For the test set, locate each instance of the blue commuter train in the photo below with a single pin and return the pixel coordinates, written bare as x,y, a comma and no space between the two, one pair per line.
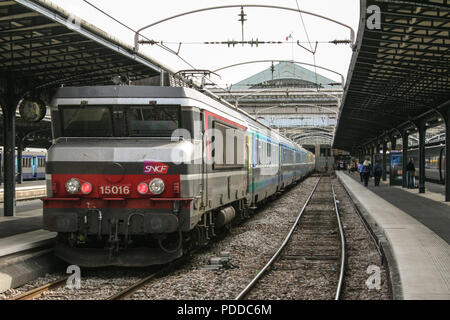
33,164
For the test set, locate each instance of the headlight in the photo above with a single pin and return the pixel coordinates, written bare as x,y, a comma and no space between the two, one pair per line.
73,186
157,186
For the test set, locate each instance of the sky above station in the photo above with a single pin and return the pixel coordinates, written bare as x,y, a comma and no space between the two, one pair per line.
223,25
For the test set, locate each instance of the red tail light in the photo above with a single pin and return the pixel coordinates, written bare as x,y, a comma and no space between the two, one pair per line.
86,188
142,188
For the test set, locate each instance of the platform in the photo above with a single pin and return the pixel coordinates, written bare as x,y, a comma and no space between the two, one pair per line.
28,190
420,256
25,248
429,208
23,231
28,218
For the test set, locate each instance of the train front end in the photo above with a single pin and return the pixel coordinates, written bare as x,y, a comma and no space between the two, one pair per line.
114,194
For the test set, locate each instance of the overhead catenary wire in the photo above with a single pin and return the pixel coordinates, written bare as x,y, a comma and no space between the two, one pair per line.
254,42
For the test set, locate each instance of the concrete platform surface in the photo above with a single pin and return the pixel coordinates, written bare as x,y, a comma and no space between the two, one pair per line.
25,267
428,208
26,184
421,256
27,193
26,241
28,218
28,190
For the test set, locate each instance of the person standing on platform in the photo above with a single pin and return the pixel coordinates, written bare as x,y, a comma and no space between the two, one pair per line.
410,173
377,173
360,168
366,172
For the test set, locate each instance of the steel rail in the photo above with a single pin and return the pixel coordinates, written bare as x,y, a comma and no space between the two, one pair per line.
40,290
342,236
121,295
129,291
250,286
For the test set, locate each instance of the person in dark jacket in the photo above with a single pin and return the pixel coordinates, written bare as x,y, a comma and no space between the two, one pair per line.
410,174
377,172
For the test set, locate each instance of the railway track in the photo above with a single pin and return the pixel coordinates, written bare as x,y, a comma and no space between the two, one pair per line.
130,290
37,292
315,238
122,294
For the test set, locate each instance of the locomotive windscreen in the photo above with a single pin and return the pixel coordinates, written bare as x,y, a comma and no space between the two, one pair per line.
119,121
87,122
153,120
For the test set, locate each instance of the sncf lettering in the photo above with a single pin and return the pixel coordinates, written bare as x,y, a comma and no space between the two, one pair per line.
151,167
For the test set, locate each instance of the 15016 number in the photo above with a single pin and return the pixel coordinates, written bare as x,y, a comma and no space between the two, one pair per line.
115,189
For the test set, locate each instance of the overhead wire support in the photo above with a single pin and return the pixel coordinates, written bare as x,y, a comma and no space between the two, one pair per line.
313,51
138,32
309,41
336,42
242,19
232,43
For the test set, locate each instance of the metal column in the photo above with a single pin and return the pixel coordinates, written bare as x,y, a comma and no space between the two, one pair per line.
377,152
393,147
384,160
371,155
447,154
19,160
9,117
9,100
161,78
422,129
317,150
405,136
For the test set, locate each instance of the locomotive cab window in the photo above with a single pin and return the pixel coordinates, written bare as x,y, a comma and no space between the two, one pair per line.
153,120
119,121
86,121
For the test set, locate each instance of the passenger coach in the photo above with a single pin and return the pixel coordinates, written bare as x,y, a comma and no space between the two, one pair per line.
137,175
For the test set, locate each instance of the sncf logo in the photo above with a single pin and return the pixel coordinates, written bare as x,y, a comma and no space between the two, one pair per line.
151,167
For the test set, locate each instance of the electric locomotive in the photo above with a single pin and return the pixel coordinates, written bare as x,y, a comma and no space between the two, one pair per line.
137,175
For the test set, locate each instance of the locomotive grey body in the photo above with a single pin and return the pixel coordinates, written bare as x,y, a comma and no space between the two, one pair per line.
137,175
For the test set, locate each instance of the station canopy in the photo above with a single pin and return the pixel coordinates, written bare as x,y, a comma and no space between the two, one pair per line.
399,72
41,45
